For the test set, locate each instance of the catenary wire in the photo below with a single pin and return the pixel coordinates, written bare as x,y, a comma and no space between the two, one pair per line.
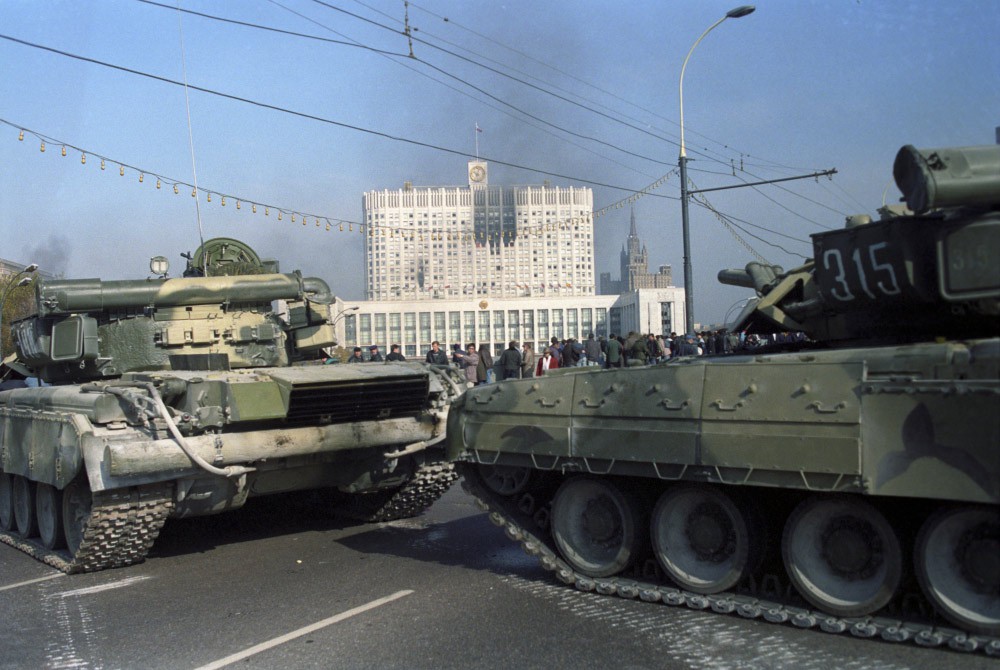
313,117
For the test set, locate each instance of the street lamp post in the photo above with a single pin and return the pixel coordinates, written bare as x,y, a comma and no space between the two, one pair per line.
344,312
11,285
736,13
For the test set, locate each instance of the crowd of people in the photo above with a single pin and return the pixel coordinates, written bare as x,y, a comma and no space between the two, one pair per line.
635,349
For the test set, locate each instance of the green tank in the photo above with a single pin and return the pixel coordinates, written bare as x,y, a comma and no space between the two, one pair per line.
176,397
843,477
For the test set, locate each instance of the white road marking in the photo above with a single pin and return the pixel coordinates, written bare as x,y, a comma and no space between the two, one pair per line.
263,646
31,581
101,587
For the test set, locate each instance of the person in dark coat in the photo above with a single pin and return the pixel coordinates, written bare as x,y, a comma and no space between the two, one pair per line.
689,346
510,361
435,355
374,356
593,349
356,356
613,357
395,355
485,364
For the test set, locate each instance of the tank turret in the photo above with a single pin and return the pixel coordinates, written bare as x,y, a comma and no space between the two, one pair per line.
219,316
926,271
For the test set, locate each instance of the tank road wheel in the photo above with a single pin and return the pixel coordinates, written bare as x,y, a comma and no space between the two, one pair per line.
76,503
957,558
595,526
6,501
842,555
700,538
507,480
48,506
24,507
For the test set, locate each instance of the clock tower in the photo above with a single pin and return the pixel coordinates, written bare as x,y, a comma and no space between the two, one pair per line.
477,173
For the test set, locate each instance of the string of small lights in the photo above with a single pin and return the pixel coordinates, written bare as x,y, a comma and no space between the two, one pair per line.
177,185
635,196
322,221
728,222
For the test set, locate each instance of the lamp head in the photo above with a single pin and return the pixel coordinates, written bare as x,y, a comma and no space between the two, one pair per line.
159,265
30,267
740,11
24,281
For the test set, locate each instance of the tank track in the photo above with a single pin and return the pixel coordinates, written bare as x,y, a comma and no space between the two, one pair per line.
413,498
522,528
121,528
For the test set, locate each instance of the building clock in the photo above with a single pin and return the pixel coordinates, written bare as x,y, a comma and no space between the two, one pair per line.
477,173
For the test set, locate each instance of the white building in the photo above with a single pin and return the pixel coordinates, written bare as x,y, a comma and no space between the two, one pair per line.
488,264
478,241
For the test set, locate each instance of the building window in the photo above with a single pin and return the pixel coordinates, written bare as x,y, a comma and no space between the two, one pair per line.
543,325
586,321
499,332
425,327
514,323
351,329
666,318
602,321
379,331
440,334
410,327
529,325
557,324
366,328
484,326
394,331
455,327
571,324
470,327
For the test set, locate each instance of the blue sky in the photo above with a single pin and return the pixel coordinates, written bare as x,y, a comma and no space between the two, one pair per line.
793,88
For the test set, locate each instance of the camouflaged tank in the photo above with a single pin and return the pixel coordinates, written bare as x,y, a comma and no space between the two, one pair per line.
182,397
847,481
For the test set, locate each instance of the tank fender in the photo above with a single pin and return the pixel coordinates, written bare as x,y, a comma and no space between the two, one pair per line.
42,446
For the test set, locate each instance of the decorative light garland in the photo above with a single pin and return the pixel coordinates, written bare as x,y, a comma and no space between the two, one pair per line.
175,183
406,234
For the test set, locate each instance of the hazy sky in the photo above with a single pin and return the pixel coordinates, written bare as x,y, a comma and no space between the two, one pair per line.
795,87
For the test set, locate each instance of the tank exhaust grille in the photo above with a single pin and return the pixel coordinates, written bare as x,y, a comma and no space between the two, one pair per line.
358,400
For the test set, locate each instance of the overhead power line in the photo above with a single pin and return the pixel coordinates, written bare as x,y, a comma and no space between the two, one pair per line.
452,22
393,55
313,117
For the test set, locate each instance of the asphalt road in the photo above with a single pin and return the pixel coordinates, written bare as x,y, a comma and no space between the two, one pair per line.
281,585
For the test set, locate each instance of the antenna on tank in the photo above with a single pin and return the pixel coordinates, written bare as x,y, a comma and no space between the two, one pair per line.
187,107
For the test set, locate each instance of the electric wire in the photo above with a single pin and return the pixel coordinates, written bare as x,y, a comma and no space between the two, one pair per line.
405,56
508,76
400,59
313,117
653,113
394,55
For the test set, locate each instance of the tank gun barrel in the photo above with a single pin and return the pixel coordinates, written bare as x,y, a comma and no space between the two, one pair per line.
732,277
756,276
60,297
